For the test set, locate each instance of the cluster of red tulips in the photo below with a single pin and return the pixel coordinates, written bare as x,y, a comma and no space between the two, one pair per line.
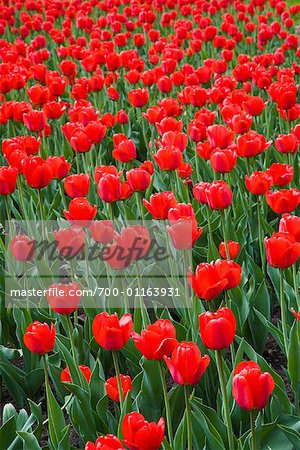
181,113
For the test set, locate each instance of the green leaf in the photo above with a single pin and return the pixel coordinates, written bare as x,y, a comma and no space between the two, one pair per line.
29,441
294,356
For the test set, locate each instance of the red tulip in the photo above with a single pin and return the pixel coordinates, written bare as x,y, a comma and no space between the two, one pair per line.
65,375
63,298
282,250
138,179
139,434
138,97
80,142
35,120
102,231
60,167
22,247
77,185
287,143
39,337
219,136
290,224
282,174
251,388
297,315
111,387
199,191
80,212
233,248
218,195
70,241
284,200
107,442
168,158
125,151
160,204
254,105
8,180
223,161
251,144
230,271
158,340
217,330
186,364
110,332
109,188
258,183
37,172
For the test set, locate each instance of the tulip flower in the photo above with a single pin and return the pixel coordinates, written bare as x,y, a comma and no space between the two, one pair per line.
77,185
37,172
22,247
111,387
65,375
138,433
60,167
109,188
40,337
80,212
284,200
102,231
160,204
138,179
282,174
258,183
107,442
233,247
138,97
63,298
8,180
125,151
168,158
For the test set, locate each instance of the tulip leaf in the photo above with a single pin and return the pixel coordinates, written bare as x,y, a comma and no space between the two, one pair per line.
294,356
29,441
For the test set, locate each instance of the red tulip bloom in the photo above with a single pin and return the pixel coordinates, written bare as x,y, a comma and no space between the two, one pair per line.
219,136
102,231
138,97
22,247
125,151
109,188
199,191
160,204
140,434
35,121
138,179
241,123
168,158
206,283
282,174
63,298
107,442
290,224
297,315
8,180
287,143
80,142
60,167
204,150
223,161
254,105
186,364
80,212
110,332
230,271
112,390
233,248
77,185
218,195
251,388
258,183
158,340
217,330
39,337
37,172
95,131
284,200
65,375
251,144
70,241
282,250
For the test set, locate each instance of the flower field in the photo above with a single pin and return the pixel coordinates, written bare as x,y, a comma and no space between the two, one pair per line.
150,228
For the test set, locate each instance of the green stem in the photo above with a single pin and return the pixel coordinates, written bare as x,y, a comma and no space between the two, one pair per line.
222,379
188,416
8,215
224,233
296,406
282,307
48,391
167,403
253,430
42,213
117,370
296,287
260,235
209,224
70,332
142,306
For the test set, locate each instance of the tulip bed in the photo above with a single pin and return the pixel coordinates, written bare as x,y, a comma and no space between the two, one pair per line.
185,114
